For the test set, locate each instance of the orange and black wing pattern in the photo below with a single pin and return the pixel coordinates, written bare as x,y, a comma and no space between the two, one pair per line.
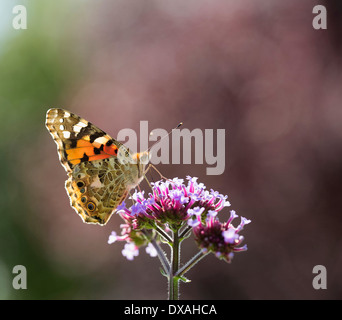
78,140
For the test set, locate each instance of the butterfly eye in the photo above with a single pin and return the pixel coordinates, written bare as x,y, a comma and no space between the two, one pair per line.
91,206
83,199
82,190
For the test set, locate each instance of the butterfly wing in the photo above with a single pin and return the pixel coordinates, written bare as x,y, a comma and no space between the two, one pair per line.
98,182
78,140
96,188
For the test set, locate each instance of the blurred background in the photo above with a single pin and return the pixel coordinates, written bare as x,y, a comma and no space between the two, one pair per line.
257,69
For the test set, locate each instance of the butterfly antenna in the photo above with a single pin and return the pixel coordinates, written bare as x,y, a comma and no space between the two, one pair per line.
180,124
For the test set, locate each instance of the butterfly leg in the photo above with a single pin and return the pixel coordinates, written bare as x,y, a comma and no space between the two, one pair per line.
155,169
147,181
131,197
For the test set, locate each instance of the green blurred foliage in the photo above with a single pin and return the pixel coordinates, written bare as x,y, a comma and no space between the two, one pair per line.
36,67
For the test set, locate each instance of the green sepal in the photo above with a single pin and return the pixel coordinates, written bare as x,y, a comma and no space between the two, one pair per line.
162,271
184,279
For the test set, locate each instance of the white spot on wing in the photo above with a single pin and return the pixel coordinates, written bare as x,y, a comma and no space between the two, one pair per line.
76,128
66,134
101,140
81,124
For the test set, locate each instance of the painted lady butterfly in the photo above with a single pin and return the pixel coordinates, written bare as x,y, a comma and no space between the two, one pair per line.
101,171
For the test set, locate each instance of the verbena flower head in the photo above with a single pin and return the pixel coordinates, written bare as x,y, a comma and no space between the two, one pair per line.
172,202
175,204
223,239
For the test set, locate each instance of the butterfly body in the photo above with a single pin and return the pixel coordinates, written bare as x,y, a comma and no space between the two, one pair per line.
101,171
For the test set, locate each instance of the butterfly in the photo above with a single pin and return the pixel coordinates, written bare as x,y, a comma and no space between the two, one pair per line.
101,171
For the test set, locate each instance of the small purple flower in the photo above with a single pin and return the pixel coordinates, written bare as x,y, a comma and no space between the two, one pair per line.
230,235
194,222
178,196
130,251
112,237
243,222
137,195
212,213
226,204
177,181
137,208
197,211
121,206
150,250
214,193
233,215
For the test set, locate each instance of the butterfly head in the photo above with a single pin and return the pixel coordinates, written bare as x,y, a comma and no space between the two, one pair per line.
142,159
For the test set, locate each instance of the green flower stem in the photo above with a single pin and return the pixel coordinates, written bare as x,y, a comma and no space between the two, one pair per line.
161,255
196,258
173,279
185,232
163,234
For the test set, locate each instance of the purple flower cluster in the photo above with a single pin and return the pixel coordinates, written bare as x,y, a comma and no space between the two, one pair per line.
223,239
174,204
